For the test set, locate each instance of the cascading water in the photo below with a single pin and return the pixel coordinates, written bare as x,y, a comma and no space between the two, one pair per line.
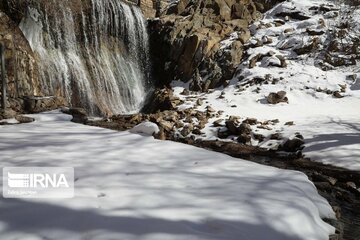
92,52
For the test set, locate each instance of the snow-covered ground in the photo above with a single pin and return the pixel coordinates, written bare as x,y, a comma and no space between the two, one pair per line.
330,125
130,186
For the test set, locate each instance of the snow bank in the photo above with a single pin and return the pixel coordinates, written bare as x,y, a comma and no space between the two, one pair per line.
148,128
134,187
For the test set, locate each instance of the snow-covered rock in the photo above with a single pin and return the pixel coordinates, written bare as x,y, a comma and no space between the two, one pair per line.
148,128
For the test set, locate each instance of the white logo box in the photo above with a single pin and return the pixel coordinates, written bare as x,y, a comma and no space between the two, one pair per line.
38,182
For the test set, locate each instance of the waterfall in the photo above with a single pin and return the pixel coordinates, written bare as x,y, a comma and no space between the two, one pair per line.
94,52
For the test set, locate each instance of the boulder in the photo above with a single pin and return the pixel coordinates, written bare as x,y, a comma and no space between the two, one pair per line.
244,139
161,100
251,121
275,98
232,126
293,145
79,115
24,119
244,128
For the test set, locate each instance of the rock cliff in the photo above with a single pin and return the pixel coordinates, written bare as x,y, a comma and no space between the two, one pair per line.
190,41
21,67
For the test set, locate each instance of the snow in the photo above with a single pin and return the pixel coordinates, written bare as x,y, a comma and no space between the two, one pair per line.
130,186
9,121
148,128
226,43
330,126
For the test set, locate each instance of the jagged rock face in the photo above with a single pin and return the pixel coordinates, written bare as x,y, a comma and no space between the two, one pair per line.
21,67
150,7
189,41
